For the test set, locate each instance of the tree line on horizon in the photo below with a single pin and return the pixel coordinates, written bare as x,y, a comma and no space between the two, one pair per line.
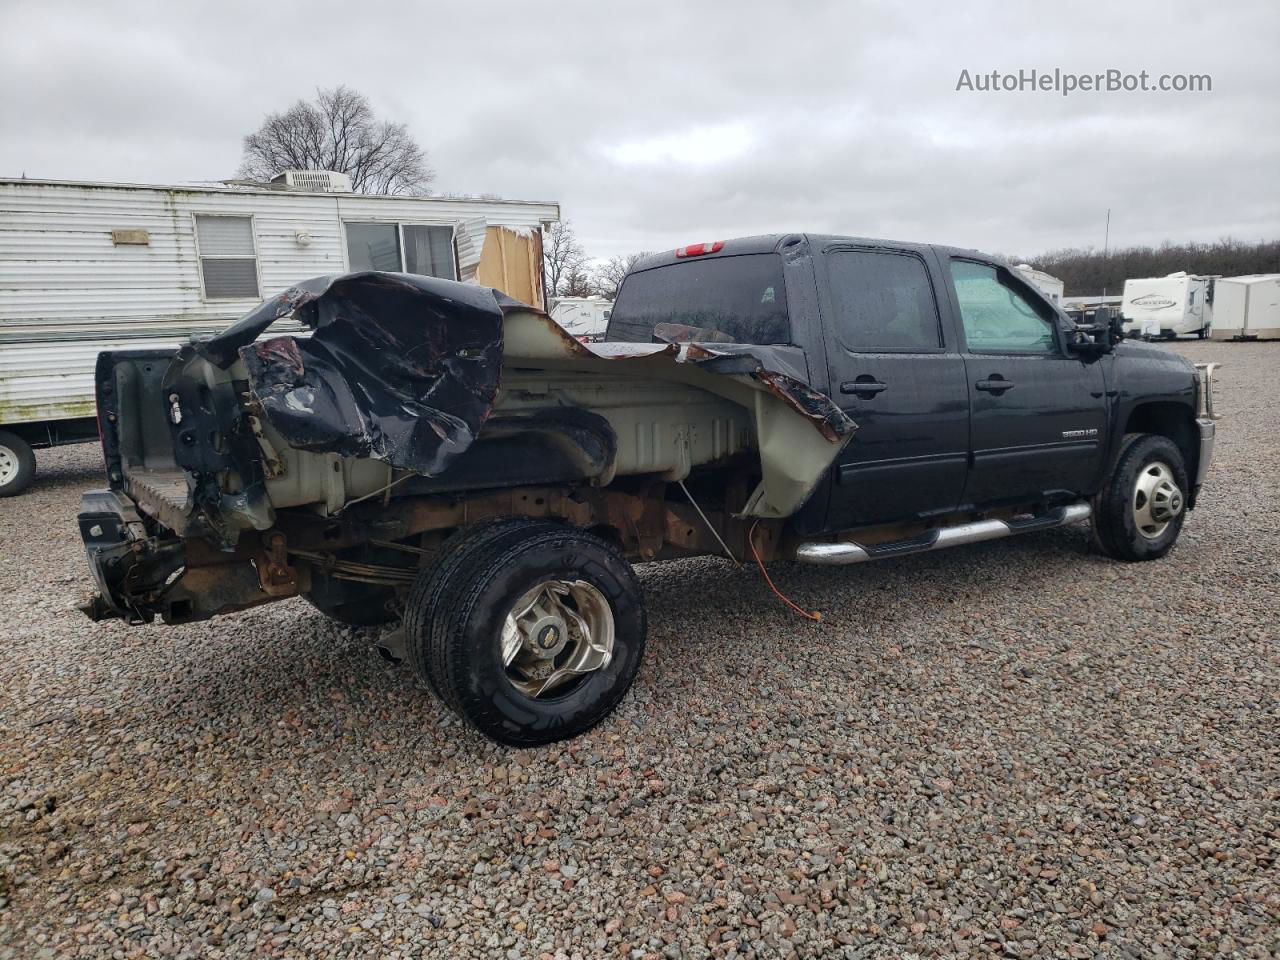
1084,272
1090,272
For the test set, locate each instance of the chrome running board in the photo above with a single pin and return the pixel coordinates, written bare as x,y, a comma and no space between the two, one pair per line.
837,554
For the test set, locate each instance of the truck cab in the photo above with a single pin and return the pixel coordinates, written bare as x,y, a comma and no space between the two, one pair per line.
970,389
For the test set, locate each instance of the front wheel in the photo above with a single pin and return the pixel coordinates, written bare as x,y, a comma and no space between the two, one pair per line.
17,464
536,637
1139,513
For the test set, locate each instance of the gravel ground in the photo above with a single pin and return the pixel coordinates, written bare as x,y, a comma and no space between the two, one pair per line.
1015,748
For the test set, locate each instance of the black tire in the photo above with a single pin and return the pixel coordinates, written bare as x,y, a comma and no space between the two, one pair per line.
17,464
421,607
1202,333
463,647
1115,527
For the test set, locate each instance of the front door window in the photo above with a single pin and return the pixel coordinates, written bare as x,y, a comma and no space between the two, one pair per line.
997,318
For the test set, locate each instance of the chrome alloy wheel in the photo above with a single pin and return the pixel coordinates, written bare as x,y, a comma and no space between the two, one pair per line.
1157,501
9,466
558,631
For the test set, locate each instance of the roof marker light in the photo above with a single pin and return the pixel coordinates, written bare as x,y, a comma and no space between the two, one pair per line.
699,249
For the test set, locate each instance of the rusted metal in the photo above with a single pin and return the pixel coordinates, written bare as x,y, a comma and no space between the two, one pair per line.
204,592
273,465
405,370
282,561
274,573
647,525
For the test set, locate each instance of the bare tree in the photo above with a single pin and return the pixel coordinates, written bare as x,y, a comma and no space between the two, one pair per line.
563,256
578,282
338,131
609,275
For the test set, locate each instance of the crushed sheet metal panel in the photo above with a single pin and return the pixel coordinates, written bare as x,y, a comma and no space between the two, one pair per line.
401,368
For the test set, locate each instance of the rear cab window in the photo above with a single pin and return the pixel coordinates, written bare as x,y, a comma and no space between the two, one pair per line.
738,299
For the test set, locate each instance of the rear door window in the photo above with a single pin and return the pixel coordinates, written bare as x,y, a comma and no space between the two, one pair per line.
721,299
883,302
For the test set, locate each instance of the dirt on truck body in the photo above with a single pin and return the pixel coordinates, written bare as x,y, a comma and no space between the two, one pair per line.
436,454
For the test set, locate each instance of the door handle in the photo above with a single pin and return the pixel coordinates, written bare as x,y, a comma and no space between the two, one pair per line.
865,386
996,384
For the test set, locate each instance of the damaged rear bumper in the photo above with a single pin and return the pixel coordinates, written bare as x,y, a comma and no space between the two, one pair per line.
143,570
129,566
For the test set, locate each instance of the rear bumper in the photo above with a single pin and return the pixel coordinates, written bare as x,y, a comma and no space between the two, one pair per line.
142,570
130,567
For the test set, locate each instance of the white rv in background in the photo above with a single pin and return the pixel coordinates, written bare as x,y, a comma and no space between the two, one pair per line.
1046,283
584,317
87,267
1247,308
1168,306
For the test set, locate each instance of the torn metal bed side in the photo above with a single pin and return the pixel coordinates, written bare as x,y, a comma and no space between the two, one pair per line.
796,430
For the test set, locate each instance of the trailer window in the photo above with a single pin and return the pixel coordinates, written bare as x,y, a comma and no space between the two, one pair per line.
428,251
728,299
423,249
228,257
374,246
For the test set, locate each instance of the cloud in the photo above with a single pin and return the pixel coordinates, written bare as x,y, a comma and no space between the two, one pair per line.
694,147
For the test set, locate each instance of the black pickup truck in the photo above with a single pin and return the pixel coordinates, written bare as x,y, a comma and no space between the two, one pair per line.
437,456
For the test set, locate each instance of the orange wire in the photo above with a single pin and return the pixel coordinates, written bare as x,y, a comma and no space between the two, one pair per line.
751,542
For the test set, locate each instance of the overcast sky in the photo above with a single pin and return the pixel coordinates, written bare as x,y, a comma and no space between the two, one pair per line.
656,125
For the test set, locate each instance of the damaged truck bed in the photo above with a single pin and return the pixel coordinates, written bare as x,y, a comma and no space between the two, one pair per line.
436,454
417,406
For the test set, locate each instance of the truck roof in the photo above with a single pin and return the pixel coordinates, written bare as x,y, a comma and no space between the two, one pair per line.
776,242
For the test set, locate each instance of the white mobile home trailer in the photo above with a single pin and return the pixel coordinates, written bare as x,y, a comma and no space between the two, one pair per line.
86,267
1247,308
1168,306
